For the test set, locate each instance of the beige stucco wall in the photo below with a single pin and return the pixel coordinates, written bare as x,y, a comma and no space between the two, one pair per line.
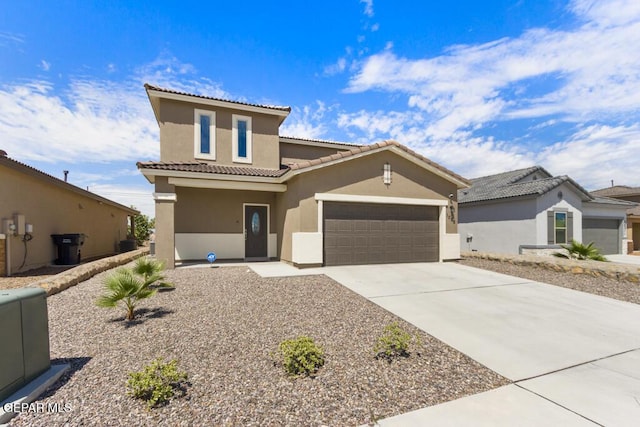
200,210
298,152
177,135
298,209
54,210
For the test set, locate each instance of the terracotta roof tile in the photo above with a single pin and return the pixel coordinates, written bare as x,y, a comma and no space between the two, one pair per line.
211,168
366,148
161,89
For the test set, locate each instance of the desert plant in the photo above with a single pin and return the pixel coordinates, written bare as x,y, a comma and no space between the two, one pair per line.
127,287
151,271
143,226
580,251
301,356
157,382
393,342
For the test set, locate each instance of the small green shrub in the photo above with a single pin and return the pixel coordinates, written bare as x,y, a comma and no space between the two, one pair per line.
157,382
301,356
580,251
394,342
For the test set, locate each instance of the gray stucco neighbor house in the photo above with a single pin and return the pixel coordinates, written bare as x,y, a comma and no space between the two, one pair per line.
531,210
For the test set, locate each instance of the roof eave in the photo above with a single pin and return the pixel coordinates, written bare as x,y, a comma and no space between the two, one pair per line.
160,94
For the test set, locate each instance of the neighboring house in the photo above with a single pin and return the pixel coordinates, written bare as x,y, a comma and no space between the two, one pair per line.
228,183
529,210
39,205
630,194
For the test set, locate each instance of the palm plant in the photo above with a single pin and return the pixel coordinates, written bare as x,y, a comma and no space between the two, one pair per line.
127,287
580,251
151,271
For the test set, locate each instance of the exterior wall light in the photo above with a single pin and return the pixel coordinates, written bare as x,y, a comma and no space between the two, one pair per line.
386,175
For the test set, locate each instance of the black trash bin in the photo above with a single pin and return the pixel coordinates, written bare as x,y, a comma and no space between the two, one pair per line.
68,248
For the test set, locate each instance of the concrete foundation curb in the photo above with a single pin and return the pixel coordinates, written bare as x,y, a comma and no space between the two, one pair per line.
30,392
58,283
593,268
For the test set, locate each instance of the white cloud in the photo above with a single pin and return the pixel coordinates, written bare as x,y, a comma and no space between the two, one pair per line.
588,73
375,27
336,68
7,38
306,122
128,195
90,120
45,65
595,155
368,7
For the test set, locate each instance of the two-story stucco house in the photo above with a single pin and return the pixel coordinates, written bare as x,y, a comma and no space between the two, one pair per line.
228,183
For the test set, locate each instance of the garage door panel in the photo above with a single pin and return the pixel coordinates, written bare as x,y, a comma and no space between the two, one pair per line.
358,233
604,232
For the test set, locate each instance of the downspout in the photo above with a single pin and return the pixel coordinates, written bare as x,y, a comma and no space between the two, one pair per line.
7,250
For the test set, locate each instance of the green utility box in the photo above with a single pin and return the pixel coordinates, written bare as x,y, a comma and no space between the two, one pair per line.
24,338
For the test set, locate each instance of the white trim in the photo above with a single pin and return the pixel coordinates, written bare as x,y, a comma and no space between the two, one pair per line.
2,236
196,246
320,216
234,139
217,103
228,185
333,197
197,113
244,226
306,248
165,197
442,222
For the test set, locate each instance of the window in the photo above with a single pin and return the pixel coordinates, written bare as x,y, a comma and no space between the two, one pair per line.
560,226
242,139
204,134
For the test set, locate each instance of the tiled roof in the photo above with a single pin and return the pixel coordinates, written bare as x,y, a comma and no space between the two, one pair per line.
211,168
323,141
365,148
201,167
175,92
505,186
617,190
611,201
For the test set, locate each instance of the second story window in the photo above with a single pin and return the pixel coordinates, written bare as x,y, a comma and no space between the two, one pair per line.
204,134
242,139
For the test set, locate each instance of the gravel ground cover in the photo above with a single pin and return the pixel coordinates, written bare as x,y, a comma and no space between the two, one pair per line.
20,280
618,289
223,324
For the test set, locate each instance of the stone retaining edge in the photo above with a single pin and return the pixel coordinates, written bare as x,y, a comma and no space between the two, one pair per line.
58,283
593,268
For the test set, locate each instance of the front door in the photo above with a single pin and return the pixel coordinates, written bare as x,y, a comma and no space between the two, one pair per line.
255,233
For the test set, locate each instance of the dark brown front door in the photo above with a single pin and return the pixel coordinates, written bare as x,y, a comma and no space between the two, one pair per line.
255,233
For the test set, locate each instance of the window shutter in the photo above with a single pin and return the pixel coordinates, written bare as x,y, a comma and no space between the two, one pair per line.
569,227
551,235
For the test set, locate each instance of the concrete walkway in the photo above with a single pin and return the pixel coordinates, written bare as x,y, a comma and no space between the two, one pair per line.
574,357
624,259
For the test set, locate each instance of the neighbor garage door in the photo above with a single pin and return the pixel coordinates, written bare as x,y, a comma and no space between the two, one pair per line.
359,233
603,232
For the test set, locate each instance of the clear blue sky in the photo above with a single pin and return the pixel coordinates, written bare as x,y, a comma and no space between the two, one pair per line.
481,87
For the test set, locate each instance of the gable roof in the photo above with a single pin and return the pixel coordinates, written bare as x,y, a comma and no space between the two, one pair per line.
505,186
318,142
375,148
617,190
155,92
36,173
288,171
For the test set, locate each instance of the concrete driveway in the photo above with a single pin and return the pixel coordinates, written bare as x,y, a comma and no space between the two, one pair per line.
574,357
